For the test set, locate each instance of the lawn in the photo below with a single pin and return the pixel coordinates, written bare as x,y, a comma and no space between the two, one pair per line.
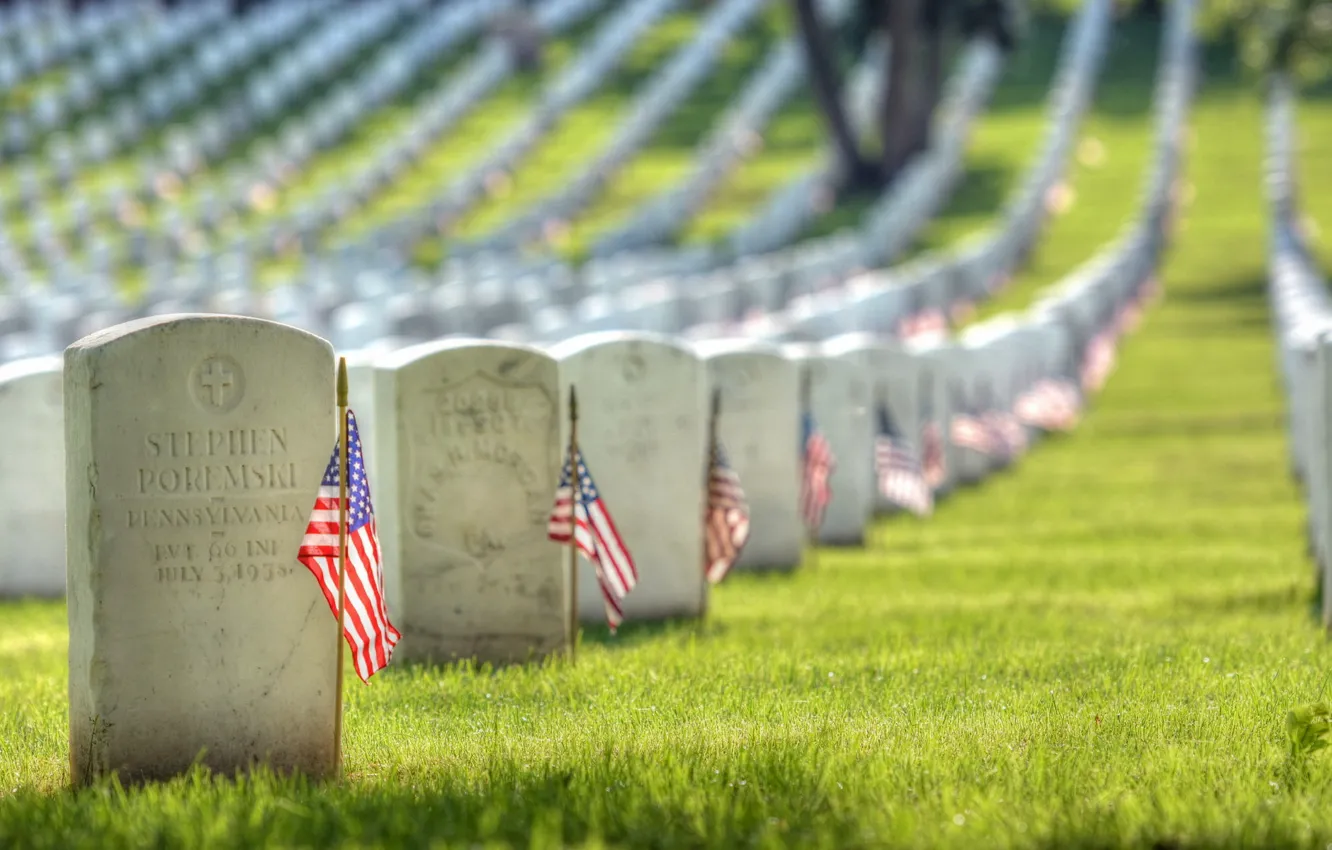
1096,649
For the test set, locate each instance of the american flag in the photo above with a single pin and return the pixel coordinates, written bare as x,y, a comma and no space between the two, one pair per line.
367,628
961,311
726,526
815,493
1098,362
1051,405
1129,317
930,322
970,431
1010,434
583,516
900,472
932,454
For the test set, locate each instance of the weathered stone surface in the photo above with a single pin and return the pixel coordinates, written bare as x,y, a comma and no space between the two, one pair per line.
761,431
642,429
194,449
468,439
32,478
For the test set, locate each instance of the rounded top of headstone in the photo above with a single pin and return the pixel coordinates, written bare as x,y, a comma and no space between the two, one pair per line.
856,342
710,349
584,342
415,353
931,345
986,332
28,366
801,350
183,321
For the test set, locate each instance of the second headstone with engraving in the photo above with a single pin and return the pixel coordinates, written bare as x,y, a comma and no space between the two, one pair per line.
468,439
194,449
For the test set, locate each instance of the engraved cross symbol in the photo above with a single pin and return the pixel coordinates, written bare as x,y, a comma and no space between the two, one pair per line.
216,378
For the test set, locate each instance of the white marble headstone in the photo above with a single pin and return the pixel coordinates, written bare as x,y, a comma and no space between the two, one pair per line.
194,449
941,363
642,430
361,399
760,430
897,380
839,396
469,450
32,478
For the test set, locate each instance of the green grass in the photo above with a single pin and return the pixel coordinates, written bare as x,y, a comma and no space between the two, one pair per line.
1096,649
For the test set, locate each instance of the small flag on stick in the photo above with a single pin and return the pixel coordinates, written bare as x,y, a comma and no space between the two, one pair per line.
899,469
1098,362
726,520
1010,433
345,515
815,489
581,515
932,454
930,322
1051,404
970,430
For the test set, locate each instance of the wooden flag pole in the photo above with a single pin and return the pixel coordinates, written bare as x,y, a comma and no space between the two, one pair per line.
811,542
878,528
342,559
576,483
708,462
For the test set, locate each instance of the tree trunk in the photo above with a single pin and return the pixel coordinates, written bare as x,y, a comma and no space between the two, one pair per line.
930,89
903,85
827,85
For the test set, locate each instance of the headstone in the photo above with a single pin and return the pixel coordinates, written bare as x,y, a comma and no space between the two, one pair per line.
994,349
899,382
194,448
468,433
760,430
361,398
32,477
641,403
940,362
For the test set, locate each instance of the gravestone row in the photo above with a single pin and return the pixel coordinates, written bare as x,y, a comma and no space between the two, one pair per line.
192,446
1302,320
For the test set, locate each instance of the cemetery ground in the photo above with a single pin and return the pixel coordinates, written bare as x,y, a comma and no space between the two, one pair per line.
1097,649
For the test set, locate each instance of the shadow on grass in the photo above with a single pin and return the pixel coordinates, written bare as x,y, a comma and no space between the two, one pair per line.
1249,291
783,793
633,633
768,796
1268,601
1191,425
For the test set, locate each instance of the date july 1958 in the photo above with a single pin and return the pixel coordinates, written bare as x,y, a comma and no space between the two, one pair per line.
224,573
